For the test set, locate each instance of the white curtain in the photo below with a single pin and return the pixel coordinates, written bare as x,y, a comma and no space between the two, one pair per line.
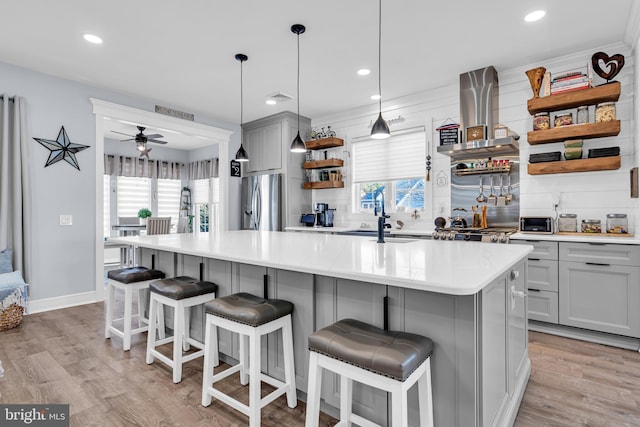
15,188
141,168
203,169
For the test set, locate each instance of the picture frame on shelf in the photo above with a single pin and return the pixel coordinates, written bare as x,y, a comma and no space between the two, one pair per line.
476,133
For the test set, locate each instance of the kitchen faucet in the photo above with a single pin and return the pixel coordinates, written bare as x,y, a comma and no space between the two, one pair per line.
383,216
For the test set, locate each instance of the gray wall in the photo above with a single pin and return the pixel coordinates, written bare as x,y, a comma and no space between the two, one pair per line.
64,257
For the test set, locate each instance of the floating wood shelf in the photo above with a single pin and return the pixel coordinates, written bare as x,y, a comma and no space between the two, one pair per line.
319,144
329,163
482,171
578,165
605,93
323,184
574,233
582,131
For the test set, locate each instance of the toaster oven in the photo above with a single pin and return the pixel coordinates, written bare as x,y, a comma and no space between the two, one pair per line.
536,224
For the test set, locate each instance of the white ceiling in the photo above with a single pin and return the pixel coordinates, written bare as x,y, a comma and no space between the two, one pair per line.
174,139
180,54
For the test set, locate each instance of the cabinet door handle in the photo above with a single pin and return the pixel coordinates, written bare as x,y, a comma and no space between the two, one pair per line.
533,241
596,243
534,290
598,263
534,259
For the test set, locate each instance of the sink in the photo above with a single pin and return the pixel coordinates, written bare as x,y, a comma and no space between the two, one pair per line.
372,232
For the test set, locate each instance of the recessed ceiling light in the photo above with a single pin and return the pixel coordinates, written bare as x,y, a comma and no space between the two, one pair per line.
535,15
270,102
375,97
91,38
364,72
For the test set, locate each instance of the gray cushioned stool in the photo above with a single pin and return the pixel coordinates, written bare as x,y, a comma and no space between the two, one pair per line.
128,280
389,360
181,293
251,317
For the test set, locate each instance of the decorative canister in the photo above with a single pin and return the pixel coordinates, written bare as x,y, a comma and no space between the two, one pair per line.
591,226
583,114
617,224
564,119
541,121
605,112
568,222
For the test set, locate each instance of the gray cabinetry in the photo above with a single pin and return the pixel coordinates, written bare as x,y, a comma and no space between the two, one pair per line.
542,280
264,145
338,299
600,287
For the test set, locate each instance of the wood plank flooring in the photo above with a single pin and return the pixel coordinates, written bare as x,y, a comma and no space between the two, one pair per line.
61,357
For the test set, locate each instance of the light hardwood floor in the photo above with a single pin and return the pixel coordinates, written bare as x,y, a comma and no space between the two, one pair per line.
62,357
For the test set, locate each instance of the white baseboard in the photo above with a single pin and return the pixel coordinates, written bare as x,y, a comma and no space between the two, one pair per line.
55,303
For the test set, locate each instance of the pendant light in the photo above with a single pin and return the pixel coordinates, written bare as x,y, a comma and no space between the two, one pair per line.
380,129
241,154
298,145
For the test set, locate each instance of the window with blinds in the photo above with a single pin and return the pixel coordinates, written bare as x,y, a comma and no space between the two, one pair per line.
393,169
106,205
133,195
169,198
206,199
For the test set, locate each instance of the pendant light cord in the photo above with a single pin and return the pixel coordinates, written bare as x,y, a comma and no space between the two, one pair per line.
298,84
380,53
241,102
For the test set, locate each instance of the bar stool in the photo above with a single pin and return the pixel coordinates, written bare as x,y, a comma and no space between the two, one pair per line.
251,317
128,280
388,360
181,293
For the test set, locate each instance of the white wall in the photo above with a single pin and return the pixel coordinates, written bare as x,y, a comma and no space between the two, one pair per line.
64,257
588,194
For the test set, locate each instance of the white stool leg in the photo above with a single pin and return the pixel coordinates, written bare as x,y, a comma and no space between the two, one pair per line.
313,391
178,331
141,294
151,334
244,359
187,328
346,398
399,408
425,397
160,319
254,381
127,318
210,351
289,369
109,310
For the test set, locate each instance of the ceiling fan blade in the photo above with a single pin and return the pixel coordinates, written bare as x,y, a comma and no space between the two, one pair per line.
153,136
157,141
115,131
130,139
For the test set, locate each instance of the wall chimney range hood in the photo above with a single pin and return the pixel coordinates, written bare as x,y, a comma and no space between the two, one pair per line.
479,106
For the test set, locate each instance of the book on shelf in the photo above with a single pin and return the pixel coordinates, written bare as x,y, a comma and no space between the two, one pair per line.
565,89
571,82
546,84
568,75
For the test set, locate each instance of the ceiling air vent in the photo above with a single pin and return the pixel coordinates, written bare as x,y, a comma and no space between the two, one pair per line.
279,97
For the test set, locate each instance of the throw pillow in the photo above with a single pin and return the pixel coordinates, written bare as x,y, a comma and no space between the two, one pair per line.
11,280
5,261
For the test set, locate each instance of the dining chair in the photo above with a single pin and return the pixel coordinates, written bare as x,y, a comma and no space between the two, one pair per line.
158,225
128,220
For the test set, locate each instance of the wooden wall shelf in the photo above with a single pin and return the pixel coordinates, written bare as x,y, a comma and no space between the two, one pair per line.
329,163
605,93
319,144
582,131
578,165
323,184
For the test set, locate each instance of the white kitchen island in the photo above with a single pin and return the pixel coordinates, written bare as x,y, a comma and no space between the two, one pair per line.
468,297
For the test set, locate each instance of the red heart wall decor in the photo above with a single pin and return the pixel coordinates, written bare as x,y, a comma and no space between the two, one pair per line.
614,63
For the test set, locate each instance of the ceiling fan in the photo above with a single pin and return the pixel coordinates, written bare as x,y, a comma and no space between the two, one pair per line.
141,140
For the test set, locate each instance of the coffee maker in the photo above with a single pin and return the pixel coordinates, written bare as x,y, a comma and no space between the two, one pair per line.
320,210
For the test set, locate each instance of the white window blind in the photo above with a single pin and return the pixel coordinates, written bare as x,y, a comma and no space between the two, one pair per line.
169,198
200,191
133,195
106,205
398,157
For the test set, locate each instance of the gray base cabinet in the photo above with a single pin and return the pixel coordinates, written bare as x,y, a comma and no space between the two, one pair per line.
543,306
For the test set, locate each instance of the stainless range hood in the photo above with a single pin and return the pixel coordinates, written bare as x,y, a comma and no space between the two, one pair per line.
479,106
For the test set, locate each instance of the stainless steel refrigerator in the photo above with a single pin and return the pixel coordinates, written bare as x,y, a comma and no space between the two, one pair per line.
262,202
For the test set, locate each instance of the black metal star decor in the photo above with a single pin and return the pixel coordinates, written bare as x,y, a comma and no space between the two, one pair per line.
61,149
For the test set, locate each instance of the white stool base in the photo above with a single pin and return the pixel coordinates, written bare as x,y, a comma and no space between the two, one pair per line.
349,373
249,365
181,338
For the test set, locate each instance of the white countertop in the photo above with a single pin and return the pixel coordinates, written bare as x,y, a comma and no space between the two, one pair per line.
321,229
456,268
600,238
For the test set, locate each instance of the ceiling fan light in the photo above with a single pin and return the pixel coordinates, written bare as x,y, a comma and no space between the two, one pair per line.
140,146
298,145
380,129
241,154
